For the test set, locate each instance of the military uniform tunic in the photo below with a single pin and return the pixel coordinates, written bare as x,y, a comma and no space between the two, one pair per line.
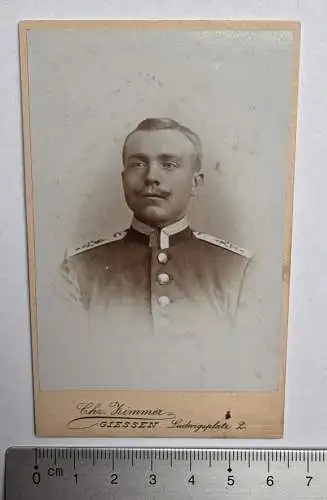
171,280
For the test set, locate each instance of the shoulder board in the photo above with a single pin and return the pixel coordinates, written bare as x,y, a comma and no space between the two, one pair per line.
97,243
223,244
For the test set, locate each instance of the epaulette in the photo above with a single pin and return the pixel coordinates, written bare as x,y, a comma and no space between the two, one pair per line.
223,243
97,243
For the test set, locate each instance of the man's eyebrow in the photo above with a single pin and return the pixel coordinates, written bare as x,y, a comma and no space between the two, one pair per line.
138,156
167,156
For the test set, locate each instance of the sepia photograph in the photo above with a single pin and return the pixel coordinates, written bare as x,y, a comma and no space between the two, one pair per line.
159,164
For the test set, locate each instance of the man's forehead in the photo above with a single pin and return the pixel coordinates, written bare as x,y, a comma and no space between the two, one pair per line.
155,142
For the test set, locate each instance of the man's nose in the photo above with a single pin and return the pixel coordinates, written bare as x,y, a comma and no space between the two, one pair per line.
153,173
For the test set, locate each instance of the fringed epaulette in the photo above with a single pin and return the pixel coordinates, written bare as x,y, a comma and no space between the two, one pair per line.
97,243
223,244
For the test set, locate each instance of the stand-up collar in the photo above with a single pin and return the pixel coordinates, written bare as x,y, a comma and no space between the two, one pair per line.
160,238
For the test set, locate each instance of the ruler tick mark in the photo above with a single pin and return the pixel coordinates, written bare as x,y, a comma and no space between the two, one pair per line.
229,467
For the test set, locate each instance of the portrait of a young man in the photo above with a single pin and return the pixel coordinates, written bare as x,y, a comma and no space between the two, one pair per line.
171,276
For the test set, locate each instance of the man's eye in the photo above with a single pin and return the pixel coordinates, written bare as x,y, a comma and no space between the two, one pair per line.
170,164
137,164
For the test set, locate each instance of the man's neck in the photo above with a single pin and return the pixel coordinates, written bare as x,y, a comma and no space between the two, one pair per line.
169,229
161,238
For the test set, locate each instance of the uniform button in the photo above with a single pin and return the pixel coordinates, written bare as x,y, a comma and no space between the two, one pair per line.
164,301
163,278
162,258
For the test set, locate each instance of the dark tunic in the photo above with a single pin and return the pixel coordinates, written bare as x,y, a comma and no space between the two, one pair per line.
191,284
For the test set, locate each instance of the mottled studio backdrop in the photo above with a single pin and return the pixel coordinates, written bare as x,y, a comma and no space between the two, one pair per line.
88,89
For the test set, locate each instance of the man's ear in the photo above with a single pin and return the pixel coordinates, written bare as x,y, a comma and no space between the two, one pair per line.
197,181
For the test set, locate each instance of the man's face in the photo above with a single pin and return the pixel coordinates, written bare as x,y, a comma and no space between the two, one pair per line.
158,175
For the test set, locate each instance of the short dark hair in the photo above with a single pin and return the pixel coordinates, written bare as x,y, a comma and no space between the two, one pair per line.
151,124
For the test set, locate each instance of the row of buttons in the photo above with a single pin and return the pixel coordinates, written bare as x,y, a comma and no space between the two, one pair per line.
163,279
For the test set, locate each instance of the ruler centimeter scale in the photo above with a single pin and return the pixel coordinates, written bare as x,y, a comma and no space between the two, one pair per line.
165,473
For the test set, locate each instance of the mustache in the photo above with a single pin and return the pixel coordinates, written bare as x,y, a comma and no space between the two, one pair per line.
161,193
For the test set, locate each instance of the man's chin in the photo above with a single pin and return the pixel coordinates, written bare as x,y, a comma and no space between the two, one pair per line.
153,216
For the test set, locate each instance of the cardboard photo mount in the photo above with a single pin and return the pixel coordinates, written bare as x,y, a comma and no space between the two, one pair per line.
159,413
